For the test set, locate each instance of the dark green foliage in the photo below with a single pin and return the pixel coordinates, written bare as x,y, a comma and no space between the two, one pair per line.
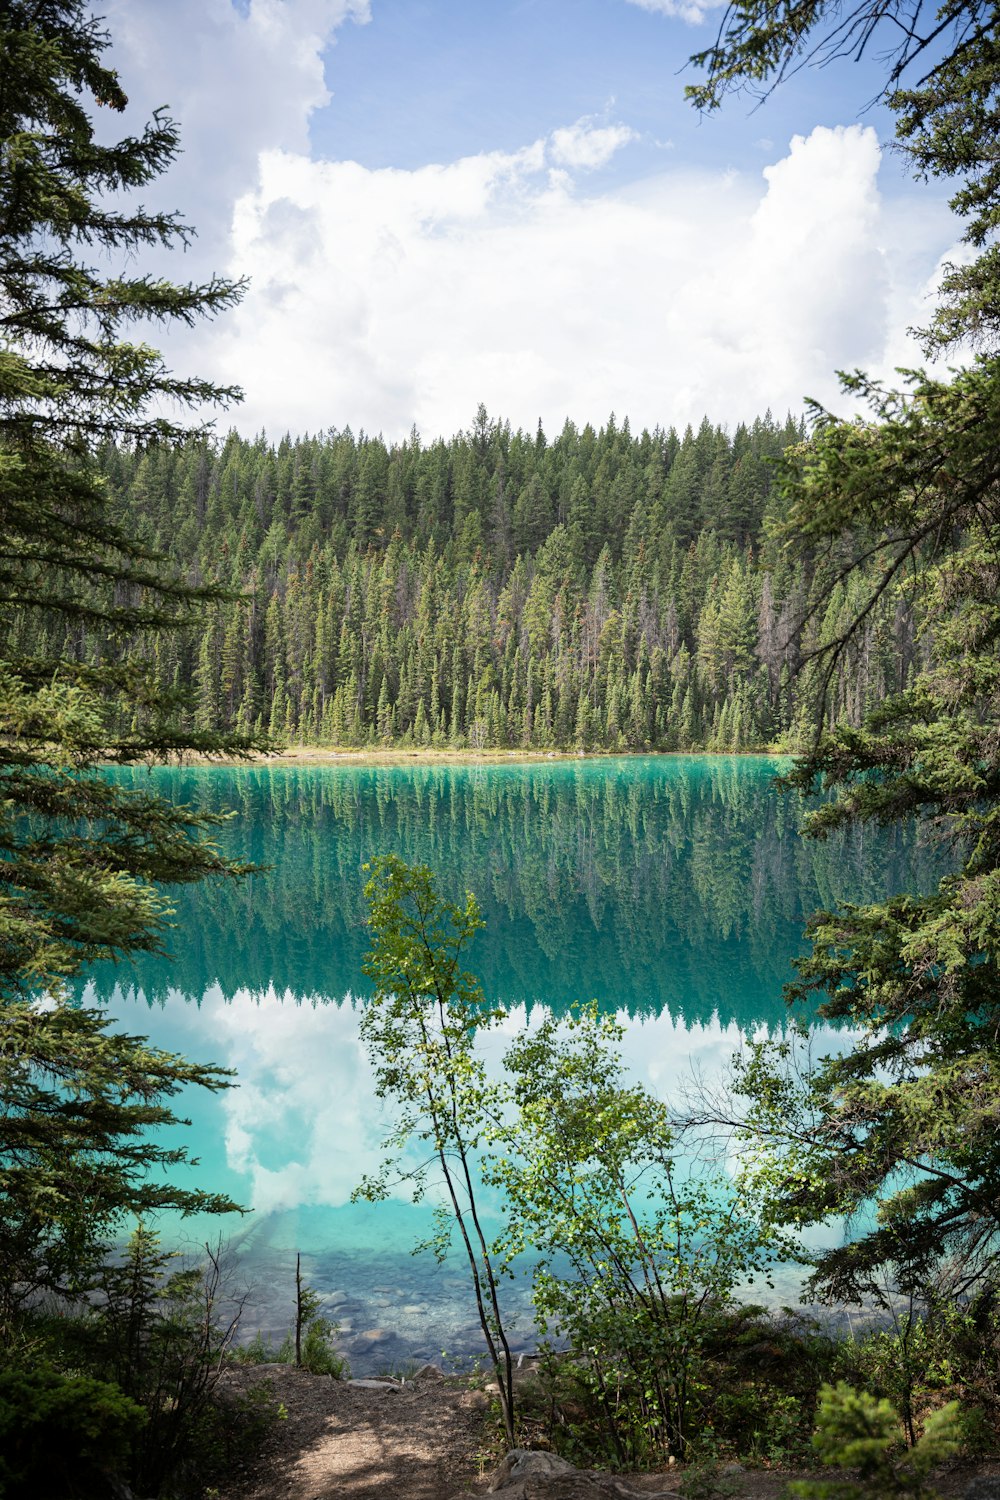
66,372
259,1352
606,615
80,858
83,860
758,44
950,1352
753,1389
858,1433
706,1479
909,1115
316,1352
155,1333
761,1381
78,1102
149,1336
62,1434
232,1432
903,506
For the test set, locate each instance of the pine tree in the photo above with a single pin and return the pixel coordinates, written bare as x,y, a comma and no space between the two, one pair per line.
906,505
322,606
84,857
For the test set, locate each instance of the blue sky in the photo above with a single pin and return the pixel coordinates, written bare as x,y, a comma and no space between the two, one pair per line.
432,80
442,202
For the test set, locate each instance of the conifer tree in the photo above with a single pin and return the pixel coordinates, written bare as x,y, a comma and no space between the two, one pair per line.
83,856
903,508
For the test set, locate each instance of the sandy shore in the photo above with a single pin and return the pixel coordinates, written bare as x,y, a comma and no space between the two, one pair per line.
331,755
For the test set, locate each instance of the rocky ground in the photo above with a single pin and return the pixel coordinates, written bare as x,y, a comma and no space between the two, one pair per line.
431,1439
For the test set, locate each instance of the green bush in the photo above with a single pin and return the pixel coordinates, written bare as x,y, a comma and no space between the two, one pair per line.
707,1480
753,1383
762,1375
260,1352
231,1430
856,1431
62,1434
318,1355
950,1351
155,1334
635,1254
154,1339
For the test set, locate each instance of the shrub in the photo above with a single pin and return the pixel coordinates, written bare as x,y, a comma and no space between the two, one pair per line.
636,1253
313,1334
233,1428
856,1431
318,1355
62,1434
752,1391
951,1350
154,1336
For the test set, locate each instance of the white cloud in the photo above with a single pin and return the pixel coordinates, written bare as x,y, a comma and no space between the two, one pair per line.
692,11
381,298
238,81
805,286
303,1126
587,145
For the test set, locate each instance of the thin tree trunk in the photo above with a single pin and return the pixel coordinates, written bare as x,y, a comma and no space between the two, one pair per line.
298,1309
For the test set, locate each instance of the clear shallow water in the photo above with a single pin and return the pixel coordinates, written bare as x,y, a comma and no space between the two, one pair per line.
671,889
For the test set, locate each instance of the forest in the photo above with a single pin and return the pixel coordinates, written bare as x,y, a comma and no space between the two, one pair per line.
599,591
831,587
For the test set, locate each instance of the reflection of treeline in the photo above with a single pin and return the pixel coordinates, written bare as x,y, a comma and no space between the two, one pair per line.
648,885
603,590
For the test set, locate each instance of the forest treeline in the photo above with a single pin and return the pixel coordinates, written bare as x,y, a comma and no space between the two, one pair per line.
599,591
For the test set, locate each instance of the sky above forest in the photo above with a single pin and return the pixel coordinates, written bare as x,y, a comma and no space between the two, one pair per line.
446,202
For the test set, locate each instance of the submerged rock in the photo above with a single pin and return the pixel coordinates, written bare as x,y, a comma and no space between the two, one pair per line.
371,1337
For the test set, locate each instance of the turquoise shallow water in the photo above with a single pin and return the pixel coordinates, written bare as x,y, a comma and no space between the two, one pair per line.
671,889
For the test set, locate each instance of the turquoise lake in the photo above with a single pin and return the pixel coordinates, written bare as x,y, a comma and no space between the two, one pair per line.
671,889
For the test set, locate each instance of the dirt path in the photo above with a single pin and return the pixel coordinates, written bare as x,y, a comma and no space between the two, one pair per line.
422,1441
425,1440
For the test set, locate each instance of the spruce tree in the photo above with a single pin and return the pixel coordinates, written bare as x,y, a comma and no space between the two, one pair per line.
903,507
84,856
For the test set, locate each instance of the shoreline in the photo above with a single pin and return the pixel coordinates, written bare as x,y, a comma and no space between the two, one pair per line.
336,755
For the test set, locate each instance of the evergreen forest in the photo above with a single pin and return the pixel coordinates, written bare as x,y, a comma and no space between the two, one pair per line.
835,591
599,591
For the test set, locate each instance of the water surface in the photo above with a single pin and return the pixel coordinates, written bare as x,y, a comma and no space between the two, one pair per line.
671,889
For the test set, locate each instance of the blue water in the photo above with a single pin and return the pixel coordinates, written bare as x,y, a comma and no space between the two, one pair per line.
671,889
